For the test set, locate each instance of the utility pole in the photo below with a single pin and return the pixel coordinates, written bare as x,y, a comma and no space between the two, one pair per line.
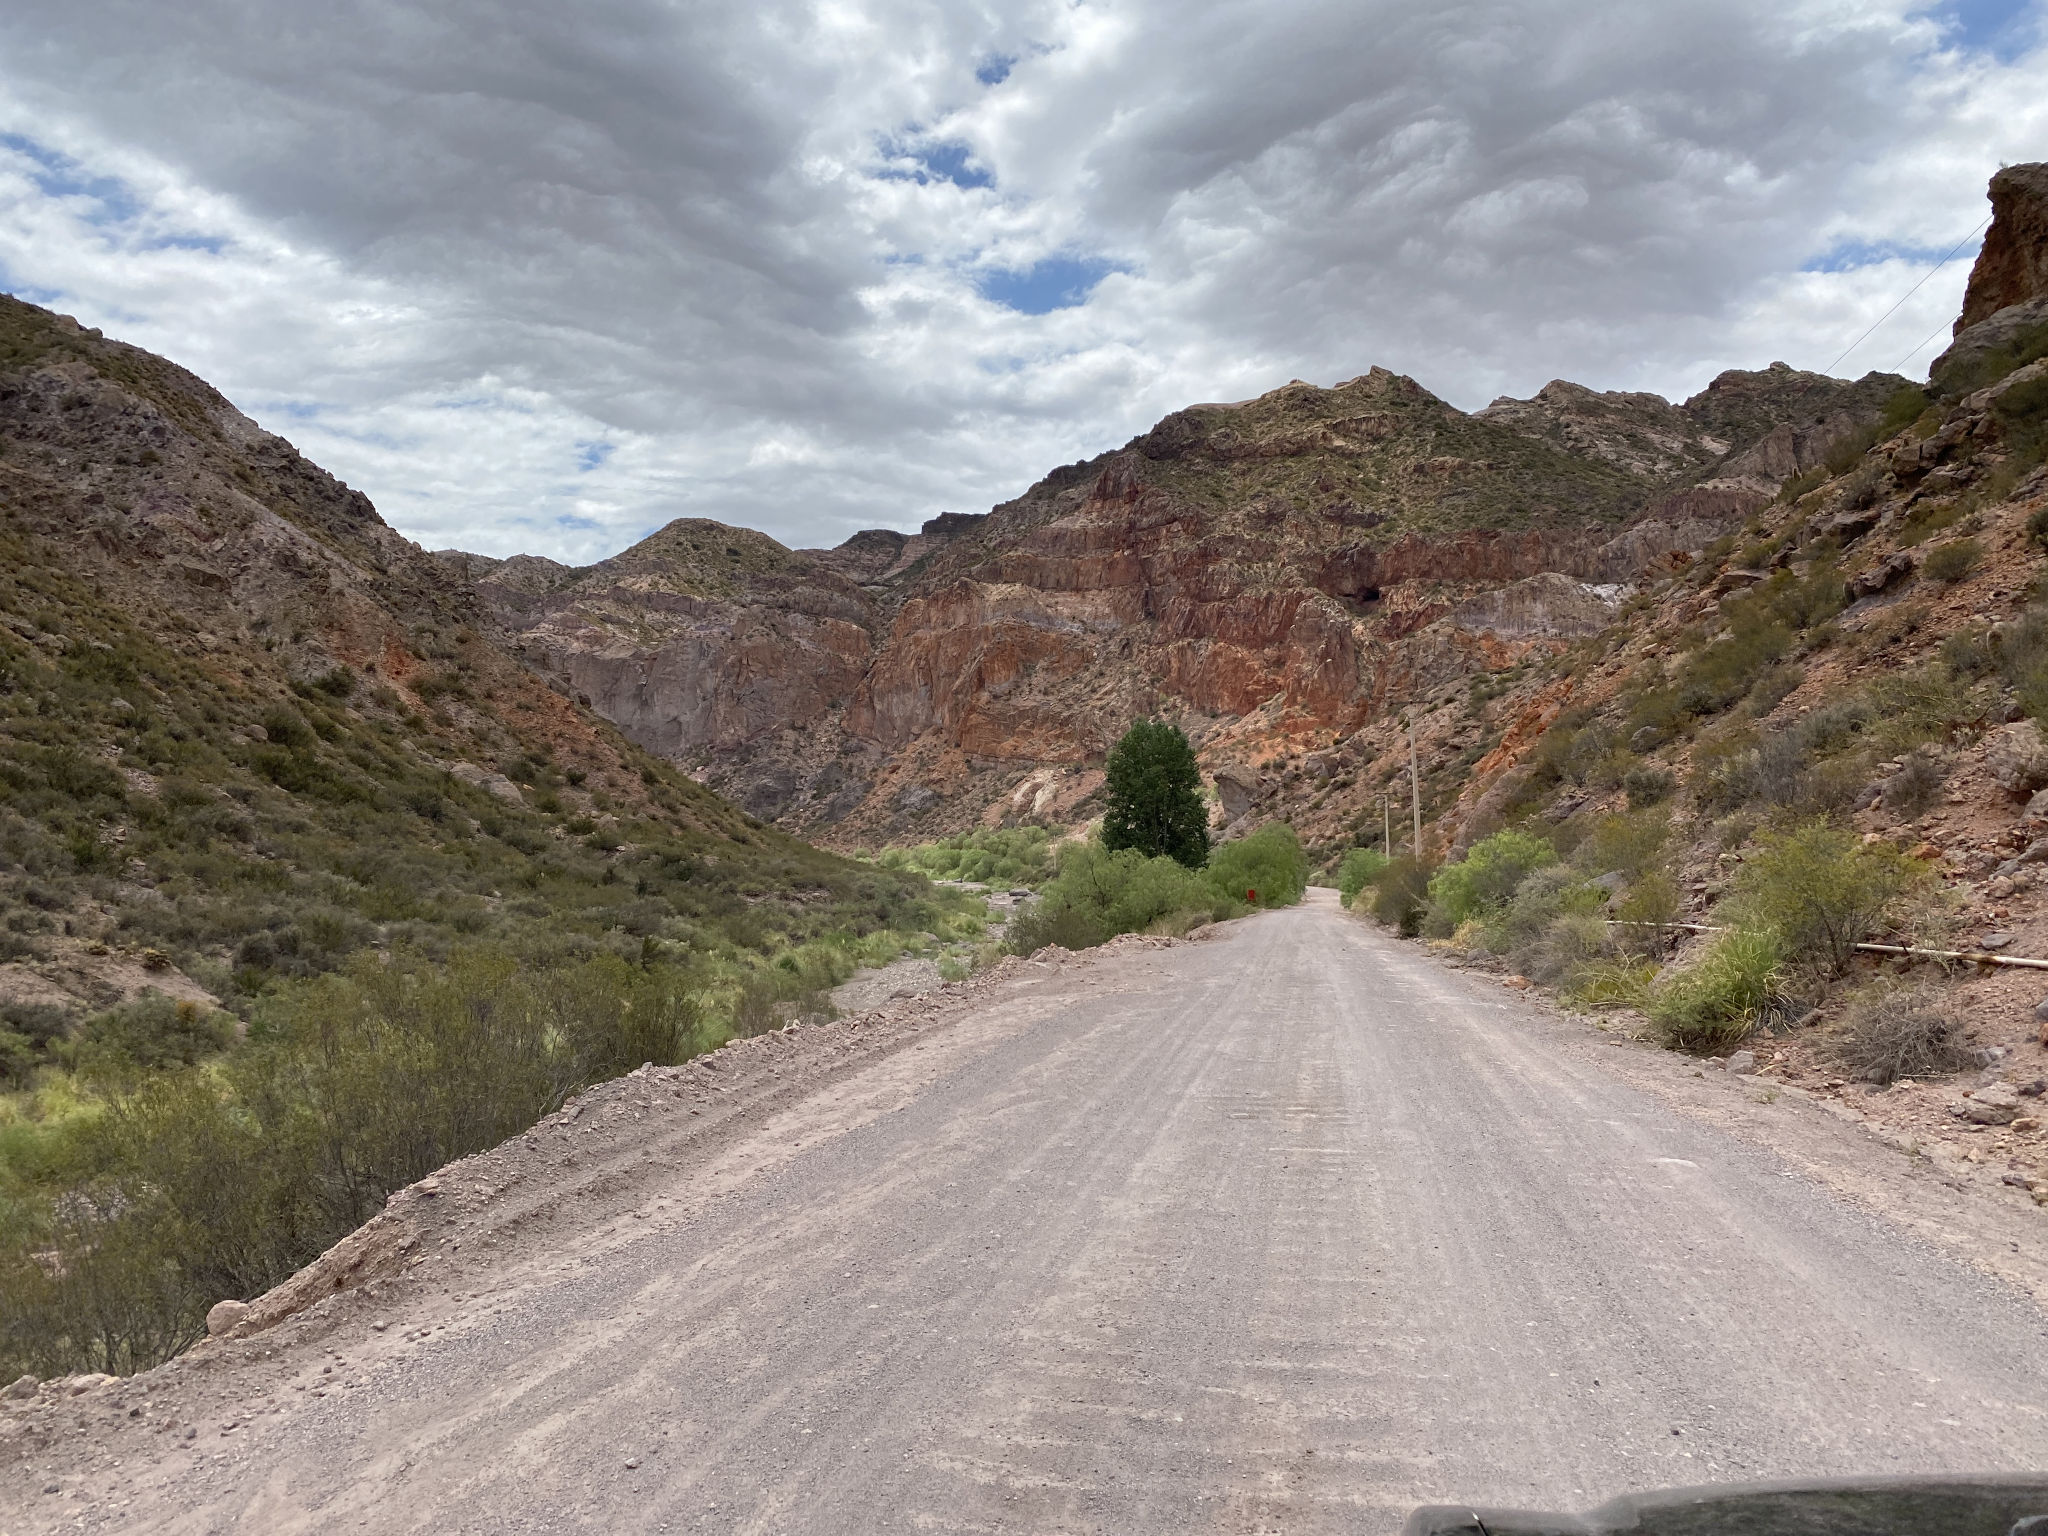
1387,825
1414,789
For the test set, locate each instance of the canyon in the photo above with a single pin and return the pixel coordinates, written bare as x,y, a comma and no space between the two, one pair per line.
1272,574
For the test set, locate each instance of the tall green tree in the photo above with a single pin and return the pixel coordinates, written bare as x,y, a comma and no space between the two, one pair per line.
1155,796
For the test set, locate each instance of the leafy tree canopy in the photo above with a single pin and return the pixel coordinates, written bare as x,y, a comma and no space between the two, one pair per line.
1155,799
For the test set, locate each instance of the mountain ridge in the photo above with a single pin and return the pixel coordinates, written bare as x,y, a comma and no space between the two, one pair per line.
1230,556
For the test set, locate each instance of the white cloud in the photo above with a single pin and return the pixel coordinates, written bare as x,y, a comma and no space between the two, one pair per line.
543,277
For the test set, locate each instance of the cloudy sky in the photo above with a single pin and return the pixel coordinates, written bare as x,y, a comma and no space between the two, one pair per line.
541,276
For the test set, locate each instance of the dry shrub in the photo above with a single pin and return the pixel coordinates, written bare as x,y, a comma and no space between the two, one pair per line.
1913,788
1903,1031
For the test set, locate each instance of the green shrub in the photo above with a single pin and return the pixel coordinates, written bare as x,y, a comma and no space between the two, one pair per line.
1401,894
1632,844
1924,704
1952,561
1000,856
1265,869
1715,677
1651,901
1714,1003
156,1031
200,1183
1099,893
1647,786
1617,982
1544,896
1487,877
1361,867
1821,891
2022,413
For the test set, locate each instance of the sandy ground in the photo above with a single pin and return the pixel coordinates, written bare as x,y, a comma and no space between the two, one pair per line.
1288,1227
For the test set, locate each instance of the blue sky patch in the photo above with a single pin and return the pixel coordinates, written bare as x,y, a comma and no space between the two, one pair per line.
927,163
58,175
995,69
1057,282
1848,255
591,456
213,245
2005,29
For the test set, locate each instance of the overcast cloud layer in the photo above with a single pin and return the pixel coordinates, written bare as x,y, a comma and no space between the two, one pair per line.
541,277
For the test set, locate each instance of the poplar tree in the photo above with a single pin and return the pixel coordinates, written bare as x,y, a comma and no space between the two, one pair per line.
1155,796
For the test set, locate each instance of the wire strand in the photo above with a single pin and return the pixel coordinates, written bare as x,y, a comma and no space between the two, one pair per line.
1880,320
1916,351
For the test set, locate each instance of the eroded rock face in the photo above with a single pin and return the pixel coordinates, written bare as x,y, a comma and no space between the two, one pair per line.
1270,572
2012,264
2006,302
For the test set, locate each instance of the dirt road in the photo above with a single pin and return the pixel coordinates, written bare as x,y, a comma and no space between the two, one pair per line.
1286,1230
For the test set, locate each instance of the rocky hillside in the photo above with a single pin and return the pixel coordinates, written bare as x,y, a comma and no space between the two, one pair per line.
1852,685
1913,541
246,730
1275,573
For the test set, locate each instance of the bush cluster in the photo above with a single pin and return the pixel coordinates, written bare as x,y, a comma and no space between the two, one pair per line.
1100,893
1359,868
1001,856
202,1182
1820,890
1712,1004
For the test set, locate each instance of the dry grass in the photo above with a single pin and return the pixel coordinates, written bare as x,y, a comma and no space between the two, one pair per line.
1894,1031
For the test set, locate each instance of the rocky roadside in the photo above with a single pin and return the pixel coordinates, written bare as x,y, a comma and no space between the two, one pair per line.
1961,1162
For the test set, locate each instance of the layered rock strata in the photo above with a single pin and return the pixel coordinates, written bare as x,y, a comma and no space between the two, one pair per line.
1272,573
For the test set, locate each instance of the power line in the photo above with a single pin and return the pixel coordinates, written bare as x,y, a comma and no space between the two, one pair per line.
1831,367
1924,340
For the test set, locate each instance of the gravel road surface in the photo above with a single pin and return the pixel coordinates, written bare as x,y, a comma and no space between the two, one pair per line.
1285,1230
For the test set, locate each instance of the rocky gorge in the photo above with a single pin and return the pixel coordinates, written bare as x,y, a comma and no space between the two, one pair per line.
1273,573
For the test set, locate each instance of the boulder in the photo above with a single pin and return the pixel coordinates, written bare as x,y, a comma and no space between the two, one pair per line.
224,1315
1882,577
1996,1104
1742,1063
1236,790
2017,758
21,1389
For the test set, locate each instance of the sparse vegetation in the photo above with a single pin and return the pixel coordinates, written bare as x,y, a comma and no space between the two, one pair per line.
1819,890
1713,1003
1952,561
1890,1031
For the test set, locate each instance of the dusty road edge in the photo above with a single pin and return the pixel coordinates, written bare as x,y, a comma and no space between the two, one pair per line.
1921,1186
